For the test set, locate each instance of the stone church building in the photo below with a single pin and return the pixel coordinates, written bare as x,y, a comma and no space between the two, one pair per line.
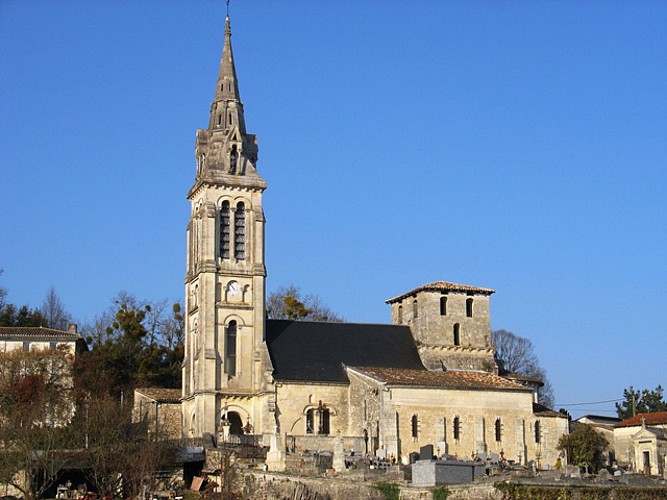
429,377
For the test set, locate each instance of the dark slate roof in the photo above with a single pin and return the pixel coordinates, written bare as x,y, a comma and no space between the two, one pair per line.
443,286
545,411
316,352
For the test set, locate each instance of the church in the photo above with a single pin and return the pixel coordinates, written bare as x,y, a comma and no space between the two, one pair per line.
428,377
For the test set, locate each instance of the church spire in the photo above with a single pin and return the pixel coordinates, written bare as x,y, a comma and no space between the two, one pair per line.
228,88
226,154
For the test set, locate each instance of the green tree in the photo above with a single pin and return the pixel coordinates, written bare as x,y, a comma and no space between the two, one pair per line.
291,303
139,346
644,401
22,316
584,447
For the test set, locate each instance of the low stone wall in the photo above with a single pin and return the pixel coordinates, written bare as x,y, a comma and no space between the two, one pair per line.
314,442
273,486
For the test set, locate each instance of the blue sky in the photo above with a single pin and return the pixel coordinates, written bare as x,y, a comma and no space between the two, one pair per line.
514,145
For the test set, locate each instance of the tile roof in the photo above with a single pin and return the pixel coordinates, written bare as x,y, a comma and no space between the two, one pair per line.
36,333
313,351
445,380
656,418
161,394
443,286
545,411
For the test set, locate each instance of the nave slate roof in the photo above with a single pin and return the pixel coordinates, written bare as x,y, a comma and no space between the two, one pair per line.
316,352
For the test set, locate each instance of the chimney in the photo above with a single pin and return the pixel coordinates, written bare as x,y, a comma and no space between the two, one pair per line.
72,328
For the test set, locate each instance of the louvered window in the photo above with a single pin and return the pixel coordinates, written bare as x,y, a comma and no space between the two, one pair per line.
224,230
239,232
230,348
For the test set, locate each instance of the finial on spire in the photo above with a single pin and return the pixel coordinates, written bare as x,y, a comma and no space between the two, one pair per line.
227,9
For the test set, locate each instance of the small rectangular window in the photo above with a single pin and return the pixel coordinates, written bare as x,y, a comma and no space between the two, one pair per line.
443,306
26,346
52,346
469,308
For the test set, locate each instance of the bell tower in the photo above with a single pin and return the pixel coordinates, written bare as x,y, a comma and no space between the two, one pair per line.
226,362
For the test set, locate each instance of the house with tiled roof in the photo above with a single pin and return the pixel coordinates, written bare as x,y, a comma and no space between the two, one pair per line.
30,338
427,377
45,351
641,443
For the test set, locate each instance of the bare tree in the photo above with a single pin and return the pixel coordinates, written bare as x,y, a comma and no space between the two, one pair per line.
291,303
54,312
36,402
3,294
173,327
515,354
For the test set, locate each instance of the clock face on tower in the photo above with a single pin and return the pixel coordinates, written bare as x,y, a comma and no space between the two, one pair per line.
233,287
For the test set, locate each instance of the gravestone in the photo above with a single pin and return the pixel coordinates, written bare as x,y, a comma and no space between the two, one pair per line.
426,452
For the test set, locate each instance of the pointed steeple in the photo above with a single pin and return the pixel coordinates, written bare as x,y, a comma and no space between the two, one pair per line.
228,87
225,153
227,108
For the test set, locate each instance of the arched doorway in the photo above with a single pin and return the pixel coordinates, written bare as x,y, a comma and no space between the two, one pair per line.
235,423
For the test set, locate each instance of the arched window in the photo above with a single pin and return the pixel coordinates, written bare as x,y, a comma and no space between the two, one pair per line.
400,314
233,159
469,308
443,306
230,349
415,426
456,428
499,430
239,232
415,309
325,422
538,432
224,230
310,421
457,334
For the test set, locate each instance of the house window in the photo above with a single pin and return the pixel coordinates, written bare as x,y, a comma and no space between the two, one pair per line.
52,346
239,232
415,427
26,346
443,306
538,432
224,230
457,334
310,421
415,309
230,348
400,314
469,308
498,428
456,428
